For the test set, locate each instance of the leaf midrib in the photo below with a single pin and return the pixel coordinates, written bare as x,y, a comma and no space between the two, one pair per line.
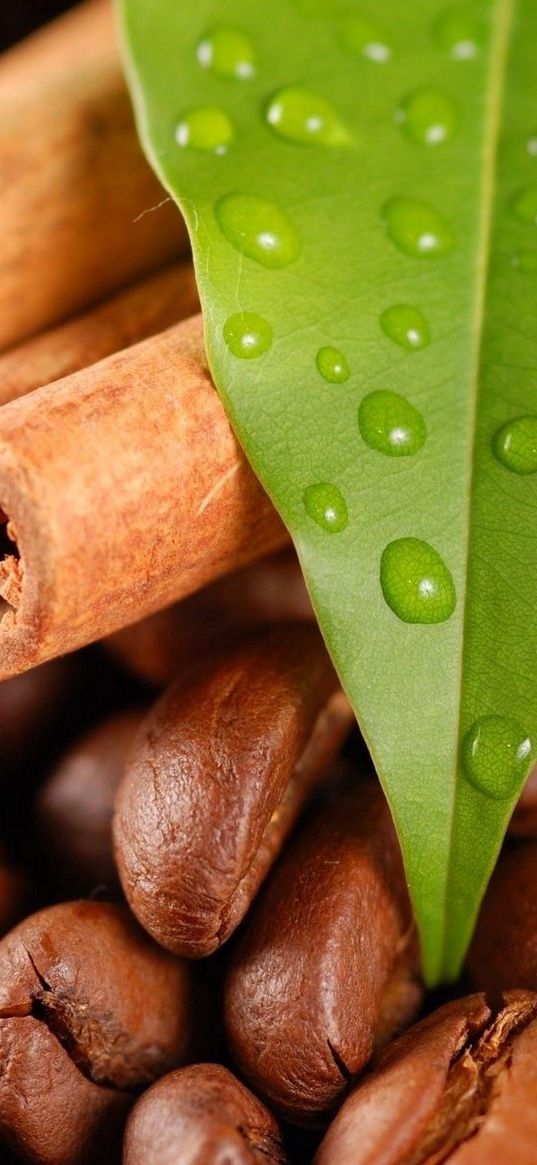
502,25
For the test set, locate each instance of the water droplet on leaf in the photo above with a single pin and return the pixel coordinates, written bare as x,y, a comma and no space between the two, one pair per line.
301,116
206,128
258,229
427,116
417,228
390,424
531,145
495,756
524,205
515,445
362,36
416,582
325,503
456,32
333,365
406,325
227,52
247,335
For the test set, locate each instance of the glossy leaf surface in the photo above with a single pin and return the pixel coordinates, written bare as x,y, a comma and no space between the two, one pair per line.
362,199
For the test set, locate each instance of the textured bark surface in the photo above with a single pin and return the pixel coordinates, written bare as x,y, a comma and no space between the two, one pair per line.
148,307
270,591
124,489
76,190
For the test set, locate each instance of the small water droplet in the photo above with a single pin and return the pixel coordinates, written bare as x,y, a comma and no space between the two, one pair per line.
417,228
206,128
406,325
301,116
227,52
427,116
390,424
325,503
515,445
258,229
524,205
457,33
416,582
525,259
247,335
332,364
364,37
495,756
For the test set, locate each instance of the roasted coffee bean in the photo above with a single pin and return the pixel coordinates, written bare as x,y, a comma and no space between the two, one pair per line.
28,703
14,893
503,952
201,1116
90,1012
74,808
223,765
157,648
325,969
460,1087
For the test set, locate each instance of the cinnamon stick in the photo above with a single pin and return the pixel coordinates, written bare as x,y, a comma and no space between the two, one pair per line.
76,217
143,310
123,489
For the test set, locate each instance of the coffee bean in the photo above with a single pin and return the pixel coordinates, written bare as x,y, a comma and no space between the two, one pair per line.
14,893
223,766
74,808
325,970
28,704
90,1012
460,1087
503,952
201,1116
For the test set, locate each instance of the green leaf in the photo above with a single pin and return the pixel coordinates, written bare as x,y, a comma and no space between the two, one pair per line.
362,200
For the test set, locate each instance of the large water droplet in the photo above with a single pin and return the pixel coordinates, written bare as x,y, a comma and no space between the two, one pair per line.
247,335
259,229
524,205
416,582
333,365
427,116
227,52
417,228
325,503
456,32
301,116
390,424
406,325
206,128
364,37
495,756
531,145
515,445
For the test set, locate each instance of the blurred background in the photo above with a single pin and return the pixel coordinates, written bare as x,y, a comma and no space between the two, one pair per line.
19,17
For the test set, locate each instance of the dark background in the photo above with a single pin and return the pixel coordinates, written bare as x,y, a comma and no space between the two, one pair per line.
19,17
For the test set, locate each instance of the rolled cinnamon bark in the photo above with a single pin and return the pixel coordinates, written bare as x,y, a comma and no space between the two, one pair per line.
76,190
123,489
143,310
